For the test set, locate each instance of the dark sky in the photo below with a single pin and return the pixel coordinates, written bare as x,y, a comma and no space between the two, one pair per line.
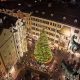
59,8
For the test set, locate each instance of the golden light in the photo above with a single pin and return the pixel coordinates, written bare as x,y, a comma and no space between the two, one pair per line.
65,31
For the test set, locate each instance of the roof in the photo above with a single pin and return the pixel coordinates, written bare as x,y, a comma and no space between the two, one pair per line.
49,9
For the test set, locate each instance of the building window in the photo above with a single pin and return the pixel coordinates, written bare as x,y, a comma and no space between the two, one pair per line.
29,18
47,22
57,31
18,52
33,24
33,19
57,36
38,20
50,23
17,47
59,26
33,28
43,21
37,33
16,41
48,28
33,32
53,24
56,41
46,32
76,31
52,29
36,24
37,29
66,38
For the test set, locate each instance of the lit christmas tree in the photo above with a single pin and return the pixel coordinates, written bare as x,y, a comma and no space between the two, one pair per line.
42,52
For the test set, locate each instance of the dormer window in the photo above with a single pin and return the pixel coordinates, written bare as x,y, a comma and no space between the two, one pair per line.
50,23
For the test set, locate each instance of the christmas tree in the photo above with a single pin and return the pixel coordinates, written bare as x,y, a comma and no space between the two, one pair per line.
42,52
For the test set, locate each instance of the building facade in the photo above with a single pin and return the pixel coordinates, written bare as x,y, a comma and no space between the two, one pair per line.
57,32
20,37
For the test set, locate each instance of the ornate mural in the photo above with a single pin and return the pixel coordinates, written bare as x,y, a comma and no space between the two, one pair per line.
74,45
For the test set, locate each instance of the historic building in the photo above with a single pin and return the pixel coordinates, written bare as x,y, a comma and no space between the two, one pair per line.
13,41
57,32
61,25
20,36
